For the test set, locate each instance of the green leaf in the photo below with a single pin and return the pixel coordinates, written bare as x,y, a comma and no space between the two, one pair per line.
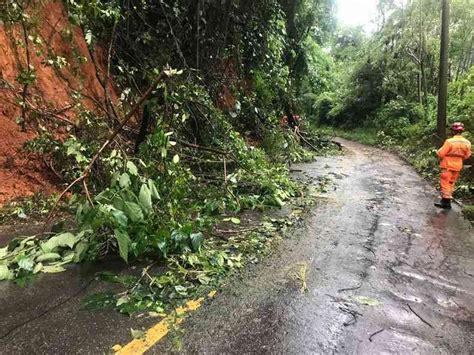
193,260
176,159
196,241
203,279
52,269
137,334
366,300
66,259
164,152
122,300
124,180
98,301
38,268
123,242
25,263
88,37
3,252
134,211
278,201
145,198
219,259
81,247
181,290
48,257
235,220
120,217
153,189
5,273
132,168
60,240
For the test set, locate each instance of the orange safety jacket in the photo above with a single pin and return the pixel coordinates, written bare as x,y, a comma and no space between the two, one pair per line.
453,153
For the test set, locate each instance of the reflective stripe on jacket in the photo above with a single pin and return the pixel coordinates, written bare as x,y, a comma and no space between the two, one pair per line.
453,152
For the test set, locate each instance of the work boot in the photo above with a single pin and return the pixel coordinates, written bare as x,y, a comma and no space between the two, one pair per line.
445,203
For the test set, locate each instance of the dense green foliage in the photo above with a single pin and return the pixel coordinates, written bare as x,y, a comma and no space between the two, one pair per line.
207,144
388,81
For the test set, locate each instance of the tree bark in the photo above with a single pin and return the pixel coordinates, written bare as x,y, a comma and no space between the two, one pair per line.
443,71
143,127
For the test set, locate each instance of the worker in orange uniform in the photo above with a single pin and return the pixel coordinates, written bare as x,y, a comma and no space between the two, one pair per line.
452,154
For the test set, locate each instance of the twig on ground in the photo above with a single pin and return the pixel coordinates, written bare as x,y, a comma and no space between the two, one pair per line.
144,273
416,314
354,315
200,147
47,310
468,274
64,109
51,113
306,141
223,237
235,231
370,249
51,167
336,143
374,334
350,288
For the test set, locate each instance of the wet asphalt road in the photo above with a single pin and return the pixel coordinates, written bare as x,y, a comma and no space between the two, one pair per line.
386,273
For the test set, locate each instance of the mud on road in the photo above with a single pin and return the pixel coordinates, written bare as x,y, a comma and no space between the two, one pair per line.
384,270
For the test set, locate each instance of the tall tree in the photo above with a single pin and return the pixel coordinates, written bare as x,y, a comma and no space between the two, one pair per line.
443,71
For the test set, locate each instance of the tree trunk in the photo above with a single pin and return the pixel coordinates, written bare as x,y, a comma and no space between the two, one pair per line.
420,98
423,82
143,127
443,71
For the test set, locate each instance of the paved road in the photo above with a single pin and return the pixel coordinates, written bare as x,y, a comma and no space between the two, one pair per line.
386,273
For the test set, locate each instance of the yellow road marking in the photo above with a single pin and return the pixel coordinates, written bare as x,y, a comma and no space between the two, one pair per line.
160,330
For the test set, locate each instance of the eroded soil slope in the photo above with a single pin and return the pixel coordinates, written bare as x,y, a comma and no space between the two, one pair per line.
66,81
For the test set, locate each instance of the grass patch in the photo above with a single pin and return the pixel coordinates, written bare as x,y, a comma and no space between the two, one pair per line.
469,212
362,135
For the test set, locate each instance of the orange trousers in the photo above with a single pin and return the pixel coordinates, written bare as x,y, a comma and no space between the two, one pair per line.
448,179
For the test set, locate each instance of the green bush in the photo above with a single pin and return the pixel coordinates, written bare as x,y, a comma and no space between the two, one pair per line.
395,118
323,105
263,90
469,212
461,100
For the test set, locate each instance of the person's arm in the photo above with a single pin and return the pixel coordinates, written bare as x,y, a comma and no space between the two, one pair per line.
468,152
444,149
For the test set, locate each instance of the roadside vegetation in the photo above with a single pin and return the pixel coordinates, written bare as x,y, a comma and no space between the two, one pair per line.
188,136
388,82
187,139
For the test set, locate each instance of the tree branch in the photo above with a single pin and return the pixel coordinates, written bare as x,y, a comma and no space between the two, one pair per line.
199,147
85,174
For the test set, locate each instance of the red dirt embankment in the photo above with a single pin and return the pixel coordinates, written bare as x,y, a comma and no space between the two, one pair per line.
50,37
